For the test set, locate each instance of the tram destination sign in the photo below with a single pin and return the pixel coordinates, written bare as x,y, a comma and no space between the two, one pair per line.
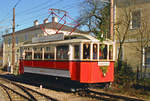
54,37
102,63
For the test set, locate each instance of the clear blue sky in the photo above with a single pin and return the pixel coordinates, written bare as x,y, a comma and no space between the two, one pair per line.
29,10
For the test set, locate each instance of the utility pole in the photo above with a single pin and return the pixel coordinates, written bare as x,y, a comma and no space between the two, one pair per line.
13,43
112,19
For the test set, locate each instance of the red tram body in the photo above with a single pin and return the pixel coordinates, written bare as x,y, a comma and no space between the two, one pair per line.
75,64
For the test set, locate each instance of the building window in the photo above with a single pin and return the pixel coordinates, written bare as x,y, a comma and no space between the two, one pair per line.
26,37
136,19
147,57
35,35
9,41
9,60
121,53
16,40
147,61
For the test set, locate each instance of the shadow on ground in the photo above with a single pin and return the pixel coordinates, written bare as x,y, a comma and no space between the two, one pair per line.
64,85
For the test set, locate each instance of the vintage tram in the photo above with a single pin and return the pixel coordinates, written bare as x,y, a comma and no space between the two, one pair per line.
79,57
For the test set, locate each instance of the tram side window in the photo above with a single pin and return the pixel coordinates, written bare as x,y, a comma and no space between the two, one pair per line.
48,56
47,48
76,52
94,51
62,52
28,55
86,51
35,49
103,52
37,55
49,52
110,52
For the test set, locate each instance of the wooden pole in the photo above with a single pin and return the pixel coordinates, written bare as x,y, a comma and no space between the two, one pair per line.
13,42
112,19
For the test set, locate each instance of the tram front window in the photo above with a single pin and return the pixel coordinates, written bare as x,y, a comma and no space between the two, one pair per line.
76,52
86,51
110,52
103,52
94,51
62,52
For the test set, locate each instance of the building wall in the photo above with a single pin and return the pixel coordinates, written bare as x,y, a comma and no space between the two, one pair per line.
132,43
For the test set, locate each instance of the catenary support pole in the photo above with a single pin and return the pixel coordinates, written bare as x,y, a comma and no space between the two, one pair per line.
13,43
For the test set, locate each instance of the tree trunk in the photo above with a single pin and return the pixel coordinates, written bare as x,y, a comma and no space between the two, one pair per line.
145,68
141,65
119,61
137,74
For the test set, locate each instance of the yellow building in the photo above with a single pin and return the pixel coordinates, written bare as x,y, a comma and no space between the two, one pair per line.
132,24
26,35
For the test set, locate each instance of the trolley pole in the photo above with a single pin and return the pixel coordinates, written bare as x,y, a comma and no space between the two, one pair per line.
13,43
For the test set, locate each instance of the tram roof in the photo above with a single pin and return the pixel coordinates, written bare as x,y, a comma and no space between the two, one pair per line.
80,38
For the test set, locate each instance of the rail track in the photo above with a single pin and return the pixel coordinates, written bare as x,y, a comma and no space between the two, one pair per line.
103,96
18,92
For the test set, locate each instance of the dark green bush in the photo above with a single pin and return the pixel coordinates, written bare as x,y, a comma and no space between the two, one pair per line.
125,76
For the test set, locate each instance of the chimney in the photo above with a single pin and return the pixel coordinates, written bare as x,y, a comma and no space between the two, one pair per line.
54,19
45,21
36,23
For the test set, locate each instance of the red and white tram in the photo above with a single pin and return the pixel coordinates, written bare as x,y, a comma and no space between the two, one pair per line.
79,57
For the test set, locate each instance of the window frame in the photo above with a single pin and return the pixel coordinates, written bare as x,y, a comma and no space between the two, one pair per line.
133,19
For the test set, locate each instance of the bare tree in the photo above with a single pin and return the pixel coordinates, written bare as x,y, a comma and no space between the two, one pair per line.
95,16
122,28
142,38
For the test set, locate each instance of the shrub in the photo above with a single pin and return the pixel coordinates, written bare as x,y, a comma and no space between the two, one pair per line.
125,76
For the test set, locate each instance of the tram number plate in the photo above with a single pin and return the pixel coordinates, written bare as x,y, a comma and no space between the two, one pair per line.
100,63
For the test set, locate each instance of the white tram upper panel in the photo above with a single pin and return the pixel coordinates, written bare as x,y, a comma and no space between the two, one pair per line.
75,38
69,47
